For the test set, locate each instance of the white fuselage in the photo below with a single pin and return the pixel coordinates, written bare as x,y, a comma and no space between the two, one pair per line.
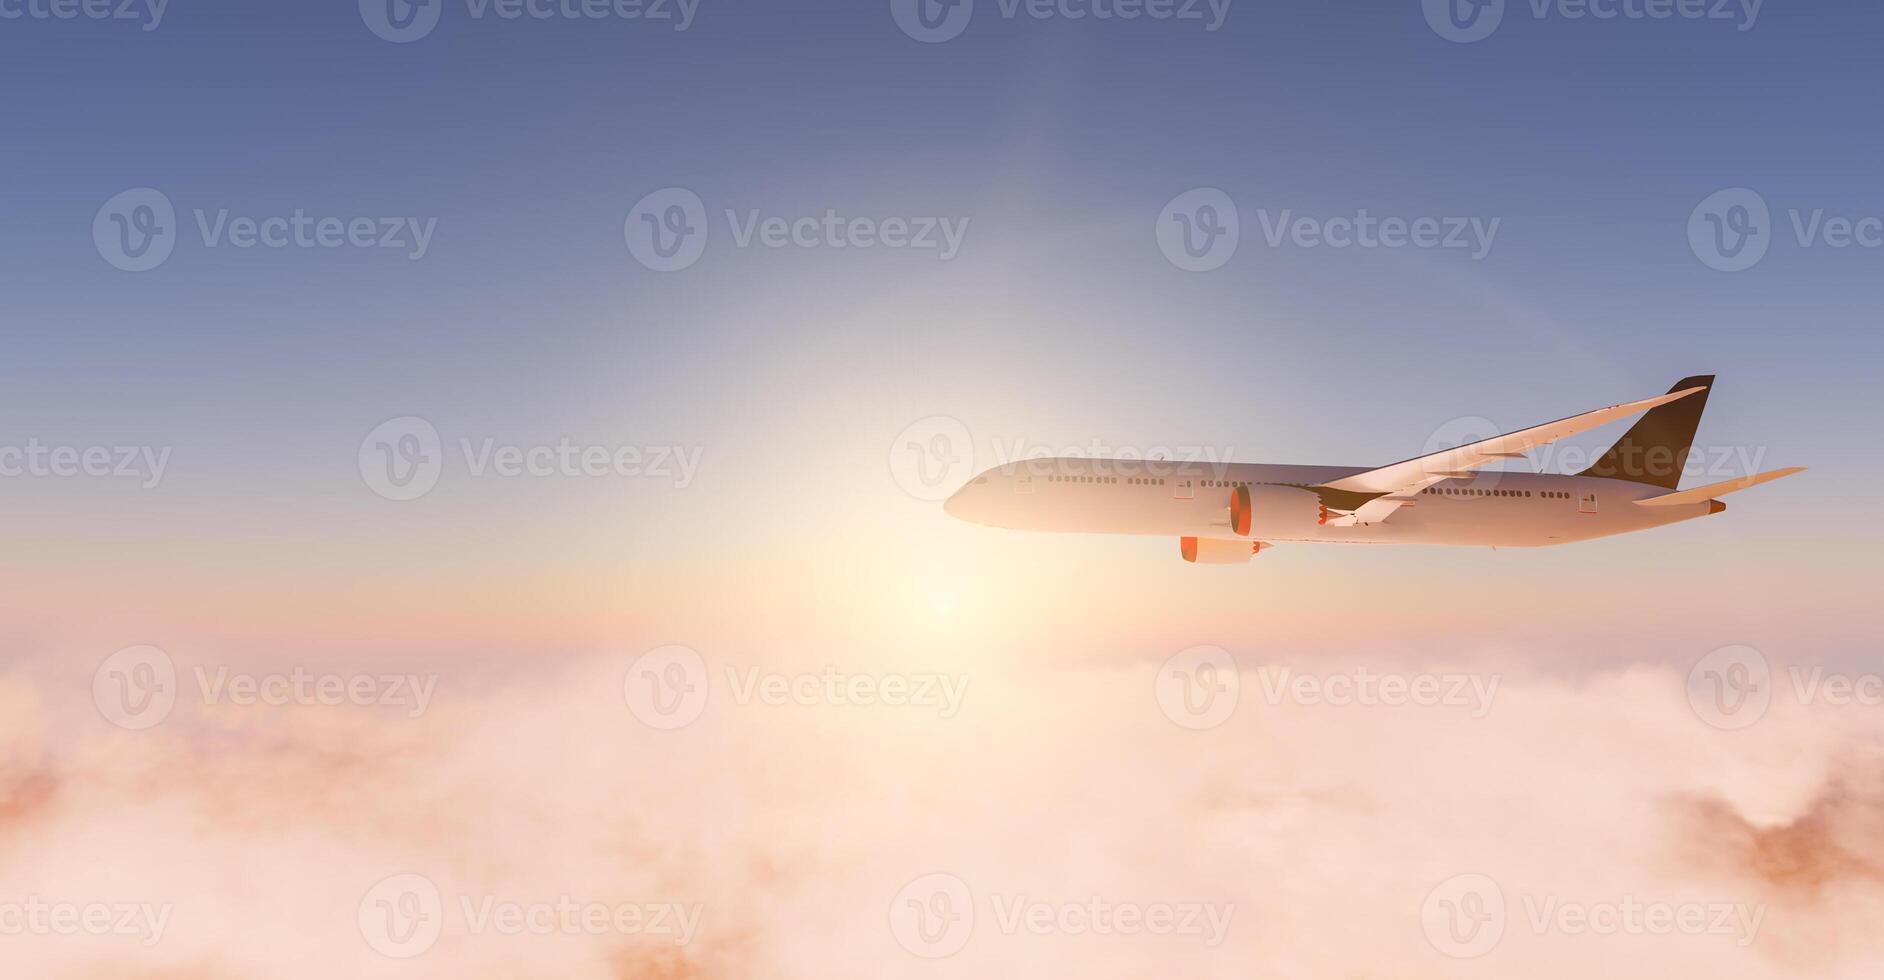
1489,508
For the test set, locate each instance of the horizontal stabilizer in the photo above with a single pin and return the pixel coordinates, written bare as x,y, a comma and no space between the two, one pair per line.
1712,490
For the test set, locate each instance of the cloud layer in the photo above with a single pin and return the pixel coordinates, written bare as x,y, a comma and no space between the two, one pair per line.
1072,826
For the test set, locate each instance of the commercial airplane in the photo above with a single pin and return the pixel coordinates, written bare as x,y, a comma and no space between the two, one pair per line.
1226,513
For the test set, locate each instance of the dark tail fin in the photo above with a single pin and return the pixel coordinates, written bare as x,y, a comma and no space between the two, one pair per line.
1655,449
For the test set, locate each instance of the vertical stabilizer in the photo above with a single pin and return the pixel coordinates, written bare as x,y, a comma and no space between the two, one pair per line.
1655,449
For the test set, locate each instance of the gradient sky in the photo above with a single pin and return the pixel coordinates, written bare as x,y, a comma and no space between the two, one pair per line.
800,549
794,370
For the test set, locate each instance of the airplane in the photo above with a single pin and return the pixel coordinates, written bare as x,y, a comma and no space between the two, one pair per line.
1227,513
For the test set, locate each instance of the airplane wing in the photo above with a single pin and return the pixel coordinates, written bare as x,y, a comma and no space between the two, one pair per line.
1400,482
1700,494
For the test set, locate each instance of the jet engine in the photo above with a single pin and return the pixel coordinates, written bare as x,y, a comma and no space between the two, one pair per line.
1241,513
1285,511
1219,551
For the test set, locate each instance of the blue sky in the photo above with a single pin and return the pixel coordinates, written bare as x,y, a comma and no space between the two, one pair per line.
527,140
527,143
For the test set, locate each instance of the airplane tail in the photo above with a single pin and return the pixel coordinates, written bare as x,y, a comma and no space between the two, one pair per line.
1655,449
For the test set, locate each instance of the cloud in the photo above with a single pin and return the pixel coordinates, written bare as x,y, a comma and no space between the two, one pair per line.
1317,832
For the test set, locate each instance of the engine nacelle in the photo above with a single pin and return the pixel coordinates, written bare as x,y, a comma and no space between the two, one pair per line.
1219,551
1271,510
1242,514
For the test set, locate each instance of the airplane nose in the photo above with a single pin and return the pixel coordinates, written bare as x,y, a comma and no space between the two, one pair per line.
953,506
